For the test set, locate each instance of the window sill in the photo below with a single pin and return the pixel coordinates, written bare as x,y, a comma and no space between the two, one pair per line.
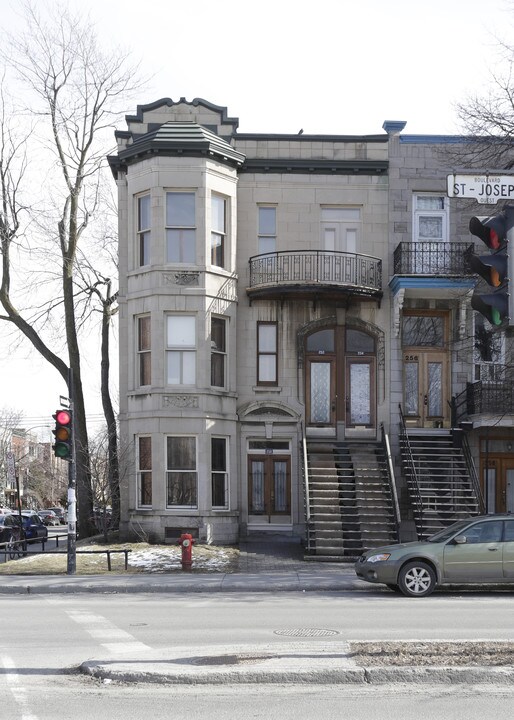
267,389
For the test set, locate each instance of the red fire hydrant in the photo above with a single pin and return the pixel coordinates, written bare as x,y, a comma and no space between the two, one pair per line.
187,542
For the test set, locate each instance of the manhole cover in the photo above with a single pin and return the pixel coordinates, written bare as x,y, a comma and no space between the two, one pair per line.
230,659
306,632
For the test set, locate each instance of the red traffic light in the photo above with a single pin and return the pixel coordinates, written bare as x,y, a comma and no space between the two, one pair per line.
62,417
492,231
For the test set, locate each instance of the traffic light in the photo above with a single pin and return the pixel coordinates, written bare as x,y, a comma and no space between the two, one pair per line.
63,447
497,268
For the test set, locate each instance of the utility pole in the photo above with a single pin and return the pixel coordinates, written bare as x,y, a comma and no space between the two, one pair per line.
64,449
72,484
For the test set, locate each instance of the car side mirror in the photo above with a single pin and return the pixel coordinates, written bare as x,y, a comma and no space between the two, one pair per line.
460,540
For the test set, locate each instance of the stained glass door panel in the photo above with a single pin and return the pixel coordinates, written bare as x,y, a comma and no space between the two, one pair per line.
321,393
359,399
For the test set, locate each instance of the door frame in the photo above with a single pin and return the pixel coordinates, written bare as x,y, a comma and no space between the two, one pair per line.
500,462
327,358
268,459
423,355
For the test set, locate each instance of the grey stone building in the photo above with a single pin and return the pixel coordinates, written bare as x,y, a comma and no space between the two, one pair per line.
294,321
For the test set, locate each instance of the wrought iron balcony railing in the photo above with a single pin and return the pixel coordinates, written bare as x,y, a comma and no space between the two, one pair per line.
485,398
432,258
313,270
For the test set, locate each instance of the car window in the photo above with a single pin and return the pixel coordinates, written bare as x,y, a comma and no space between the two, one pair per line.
484,532
449,532
509,531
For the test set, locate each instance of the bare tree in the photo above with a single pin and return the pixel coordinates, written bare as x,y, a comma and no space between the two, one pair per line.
74,88
487,117
9,420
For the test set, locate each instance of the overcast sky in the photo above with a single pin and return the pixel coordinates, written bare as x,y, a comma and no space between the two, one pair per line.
330,66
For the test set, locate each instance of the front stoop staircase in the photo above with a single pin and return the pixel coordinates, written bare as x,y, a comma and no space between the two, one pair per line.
351,507
441,480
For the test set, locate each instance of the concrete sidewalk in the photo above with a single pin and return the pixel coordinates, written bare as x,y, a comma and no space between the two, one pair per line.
263,567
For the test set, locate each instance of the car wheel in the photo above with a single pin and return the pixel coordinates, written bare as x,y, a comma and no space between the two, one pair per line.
416,579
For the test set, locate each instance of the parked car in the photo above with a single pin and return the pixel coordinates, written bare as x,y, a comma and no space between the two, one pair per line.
35,529
49,517
478,550
61,514
8,522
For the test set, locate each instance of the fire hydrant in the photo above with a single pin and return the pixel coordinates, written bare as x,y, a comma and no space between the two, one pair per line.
187,542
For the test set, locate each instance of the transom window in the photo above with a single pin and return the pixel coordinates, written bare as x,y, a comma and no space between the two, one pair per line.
358,342
181,349
180,227
423,331
321,341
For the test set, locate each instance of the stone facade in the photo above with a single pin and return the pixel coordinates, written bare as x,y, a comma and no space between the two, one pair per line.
222,457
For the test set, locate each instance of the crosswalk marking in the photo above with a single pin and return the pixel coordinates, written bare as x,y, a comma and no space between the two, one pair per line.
99,628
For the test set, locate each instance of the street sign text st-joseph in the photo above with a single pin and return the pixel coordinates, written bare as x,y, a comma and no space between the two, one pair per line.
486,189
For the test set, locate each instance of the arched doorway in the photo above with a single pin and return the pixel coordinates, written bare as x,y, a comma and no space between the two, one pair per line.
340,382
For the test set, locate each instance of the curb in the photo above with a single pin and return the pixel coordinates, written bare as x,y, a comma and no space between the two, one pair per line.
279,582
327,676
287,663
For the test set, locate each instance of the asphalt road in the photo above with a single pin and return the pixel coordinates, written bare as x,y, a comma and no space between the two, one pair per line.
43,640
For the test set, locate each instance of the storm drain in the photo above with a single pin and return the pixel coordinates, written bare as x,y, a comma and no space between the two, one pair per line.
306,632
242,659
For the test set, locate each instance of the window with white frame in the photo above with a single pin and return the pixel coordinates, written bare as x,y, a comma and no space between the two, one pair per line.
267,353
488,351
340,228
181,472
143,230
267,236
218,352
219,473
180,227
218,230
430,222
144,354
181,349
144,471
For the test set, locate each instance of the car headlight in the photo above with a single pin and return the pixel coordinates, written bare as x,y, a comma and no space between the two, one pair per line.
381,557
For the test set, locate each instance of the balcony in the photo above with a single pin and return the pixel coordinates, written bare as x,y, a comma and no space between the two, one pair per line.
315,274
433,259
491,396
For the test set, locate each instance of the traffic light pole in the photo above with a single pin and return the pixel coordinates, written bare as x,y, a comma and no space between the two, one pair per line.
72,500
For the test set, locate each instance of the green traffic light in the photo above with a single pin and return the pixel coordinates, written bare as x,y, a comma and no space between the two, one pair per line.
495,317
62,450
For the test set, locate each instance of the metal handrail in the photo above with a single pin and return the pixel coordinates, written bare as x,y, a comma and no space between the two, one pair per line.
414,475
306,488
391,479
473,473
